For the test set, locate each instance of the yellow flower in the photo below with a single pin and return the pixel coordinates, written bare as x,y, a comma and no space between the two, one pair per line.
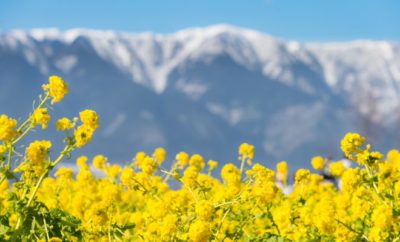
190,175
182,158
382,216
96,215
377,235
3,149
318,162
41,116
127,176
160,154
212,164
197,161
351,144
324,216
89,118
149,165
397,189
64,124
99,161
246,151
113,171
337,168
65,173
199,231
139,157
168,226
3,186
365,157
393,155
282,171
57,88
230,174
302,175
13,219
55,239
81,162
376,155
281,215
351,179
7,126
83,135
204,210
261,174
37,151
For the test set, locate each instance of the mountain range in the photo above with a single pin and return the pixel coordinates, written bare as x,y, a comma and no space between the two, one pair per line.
206,90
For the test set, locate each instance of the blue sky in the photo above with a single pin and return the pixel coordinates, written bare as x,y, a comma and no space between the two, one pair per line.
304,20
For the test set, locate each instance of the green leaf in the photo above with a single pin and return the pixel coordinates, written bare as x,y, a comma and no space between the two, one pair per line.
4,229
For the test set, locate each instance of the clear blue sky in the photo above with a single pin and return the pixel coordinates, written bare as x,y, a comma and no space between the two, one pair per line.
304,20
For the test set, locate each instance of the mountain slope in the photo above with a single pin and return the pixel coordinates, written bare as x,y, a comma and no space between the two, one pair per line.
209,89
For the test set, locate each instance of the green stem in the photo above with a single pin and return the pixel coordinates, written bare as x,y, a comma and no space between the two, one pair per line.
22,126
8,165
42,177
242,166
190,191
272,220
45,228
221,222
10,152
26,131
350,228
369,172
29,121
173,168
3,178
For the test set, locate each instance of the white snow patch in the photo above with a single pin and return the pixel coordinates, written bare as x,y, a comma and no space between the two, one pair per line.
66,63
115,124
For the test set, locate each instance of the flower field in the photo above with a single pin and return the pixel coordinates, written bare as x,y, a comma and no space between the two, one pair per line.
241,201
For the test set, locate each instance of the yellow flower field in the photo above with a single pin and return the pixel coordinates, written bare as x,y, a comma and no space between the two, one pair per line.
136,202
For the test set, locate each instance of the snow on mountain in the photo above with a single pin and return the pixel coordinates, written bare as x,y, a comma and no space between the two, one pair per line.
208,89
371,67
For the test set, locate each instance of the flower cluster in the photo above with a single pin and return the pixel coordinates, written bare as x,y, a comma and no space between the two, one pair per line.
142,200
7,127
56,88
23,173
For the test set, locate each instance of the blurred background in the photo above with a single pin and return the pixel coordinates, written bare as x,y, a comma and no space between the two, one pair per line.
290,77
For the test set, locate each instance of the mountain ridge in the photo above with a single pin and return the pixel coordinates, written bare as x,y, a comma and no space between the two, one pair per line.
250,59
240,84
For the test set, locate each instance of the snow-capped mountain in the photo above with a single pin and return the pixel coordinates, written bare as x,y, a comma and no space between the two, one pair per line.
208,89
